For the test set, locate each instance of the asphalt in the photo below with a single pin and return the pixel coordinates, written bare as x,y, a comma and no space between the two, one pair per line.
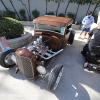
76,83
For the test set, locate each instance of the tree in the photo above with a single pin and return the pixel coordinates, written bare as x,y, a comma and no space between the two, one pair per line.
29,9
1,16
58,5
97,2
79,2
46,5
77,11
88,8
14,9
67,7
26,9
88,2
4,5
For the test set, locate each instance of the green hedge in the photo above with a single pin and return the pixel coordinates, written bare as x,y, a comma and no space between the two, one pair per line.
9,13
0,16
50,13
35,13
10,28
61,15
22,13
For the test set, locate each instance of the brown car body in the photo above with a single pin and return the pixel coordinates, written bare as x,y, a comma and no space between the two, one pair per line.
57,41
50,37
52,20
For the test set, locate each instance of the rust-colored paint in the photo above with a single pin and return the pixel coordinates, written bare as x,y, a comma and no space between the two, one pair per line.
29,55
52,20
55,41
23,52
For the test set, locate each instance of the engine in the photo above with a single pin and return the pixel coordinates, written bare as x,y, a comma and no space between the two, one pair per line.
37,53
40,48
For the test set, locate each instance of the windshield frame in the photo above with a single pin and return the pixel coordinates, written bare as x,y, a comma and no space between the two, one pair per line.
59,32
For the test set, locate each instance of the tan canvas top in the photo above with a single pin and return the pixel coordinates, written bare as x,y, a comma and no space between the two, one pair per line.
52,20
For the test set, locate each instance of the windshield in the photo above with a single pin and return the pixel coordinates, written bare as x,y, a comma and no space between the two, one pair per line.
58,29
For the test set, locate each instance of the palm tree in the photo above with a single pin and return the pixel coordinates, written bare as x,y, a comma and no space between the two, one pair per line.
88,2
88,8
97,5
67,7
79,2
29,9
14,9
58,5
76,11
4,5
46,5
25,8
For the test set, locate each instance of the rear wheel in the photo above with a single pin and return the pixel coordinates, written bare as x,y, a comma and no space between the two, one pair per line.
54,77
5,59
71,37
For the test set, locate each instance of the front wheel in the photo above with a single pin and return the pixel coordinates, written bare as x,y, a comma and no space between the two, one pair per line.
5,59
54,77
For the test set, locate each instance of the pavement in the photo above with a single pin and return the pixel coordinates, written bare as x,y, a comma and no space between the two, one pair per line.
76,83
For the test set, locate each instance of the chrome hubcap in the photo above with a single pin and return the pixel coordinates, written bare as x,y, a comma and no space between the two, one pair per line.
8,60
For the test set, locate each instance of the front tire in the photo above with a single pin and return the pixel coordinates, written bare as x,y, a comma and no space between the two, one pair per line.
5,60
54,77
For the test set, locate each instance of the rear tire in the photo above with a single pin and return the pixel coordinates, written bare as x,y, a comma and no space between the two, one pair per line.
5,59
54,77
71,37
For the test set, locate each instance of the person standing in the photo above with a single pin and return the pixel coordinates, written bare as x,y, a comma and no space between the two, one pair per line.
87,22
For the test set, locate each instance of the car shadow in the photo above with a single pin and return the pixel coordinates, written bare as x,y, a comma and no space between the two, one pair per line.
12,72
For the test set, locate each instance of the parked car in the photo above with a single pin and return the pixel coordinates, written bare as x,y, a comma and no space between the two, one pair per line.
51,34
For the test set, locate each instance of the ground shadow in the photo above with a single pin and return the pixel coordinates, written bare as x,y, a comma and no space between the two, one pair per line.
12,72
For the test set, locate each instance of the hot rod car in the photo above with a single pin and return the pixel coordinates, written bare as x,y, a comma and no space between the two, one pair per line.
51,34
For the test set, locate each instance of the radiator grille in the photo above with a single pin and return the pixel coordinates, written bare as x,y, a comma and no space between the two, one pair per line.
25,66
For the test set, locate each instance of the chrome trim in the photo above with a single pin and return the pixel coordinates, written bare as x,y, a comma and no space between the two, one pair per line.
13,58
55,53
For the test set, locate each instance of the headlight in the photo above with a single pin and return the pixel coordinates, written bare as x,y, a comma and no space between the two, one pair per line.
41,69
